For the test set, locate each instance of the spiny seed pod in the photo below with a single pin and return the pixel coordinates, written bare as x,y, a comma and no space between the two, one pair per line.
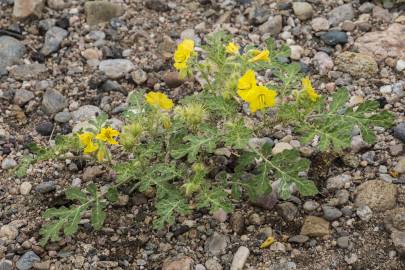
130,135
192,114
166,122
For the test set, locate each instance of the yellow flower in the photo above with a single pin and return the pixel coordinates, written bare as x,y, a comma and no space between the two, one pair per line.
100,155
183,53
180,65
260,56
261,97
232,48
246,83
159,99
86,139
307,86
107,135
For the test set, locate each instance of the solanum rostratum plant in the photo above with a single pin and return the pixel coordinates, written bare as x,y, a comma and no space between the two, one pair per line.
172,148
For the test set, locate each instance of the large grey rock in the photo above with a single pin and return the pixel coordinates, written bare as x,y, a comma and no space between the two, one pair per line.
53,38
116,68
333,38
26,8
273,25
356,64
28,72
378,195
22,96
340,14
315,227
85,113
383,44
11,51
6,265
27,260
45,187
53,101
101,11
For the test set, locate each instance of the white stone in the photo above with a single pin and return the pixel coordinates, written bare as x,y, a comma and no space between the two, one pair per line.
9,232
296,52
25,188
116,68
400,65
240,257
364,213
280,147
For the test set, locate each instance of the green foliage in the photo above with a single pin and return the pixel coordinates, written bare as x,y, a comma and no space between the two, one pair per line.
63,144
333,126
172,153
68,219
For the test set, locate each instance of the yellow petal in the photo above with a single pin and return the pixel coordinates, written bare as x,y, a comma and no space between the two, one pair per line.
180,65
246,83
261,97
183,53
232,48
270,240
309,90
90,148
260,56
100,154
160,100
86,138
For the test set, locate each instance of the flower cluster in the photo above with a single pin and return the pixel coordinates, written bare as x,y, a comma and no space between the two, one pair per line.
232,48
258,97
97,142
159,100
182,54
309,90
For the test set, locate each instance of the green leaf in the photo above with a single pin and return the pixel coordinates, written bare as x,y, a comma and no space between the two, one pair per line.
92,189
334,126
259,185
215,198
97,213
194,146
306,188
159,176
21,170
112,194
288,167
339,100
64,218
75,193
50,232
166,209
237,135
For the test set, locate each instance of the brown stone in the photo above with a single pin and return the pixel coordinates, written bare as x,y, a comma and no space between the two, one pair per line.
315,227
101,11
378,195
26,8
382,44
183,263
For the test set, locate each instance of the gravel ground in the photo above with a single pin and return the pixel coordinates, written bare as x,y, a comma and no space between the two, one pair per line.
62,62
